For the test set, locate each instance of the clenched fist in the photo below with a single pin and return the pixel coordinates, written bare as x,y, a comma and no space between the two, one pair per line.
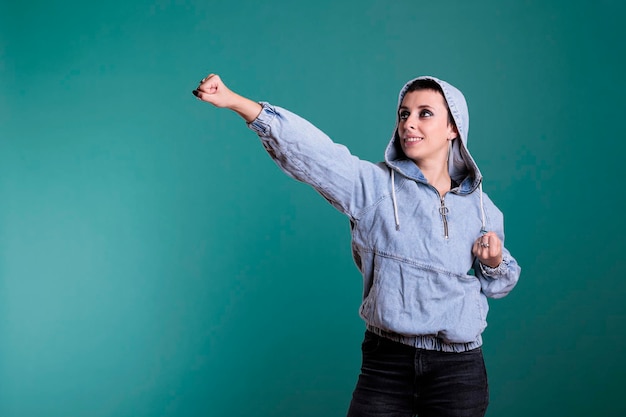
213,90
488,249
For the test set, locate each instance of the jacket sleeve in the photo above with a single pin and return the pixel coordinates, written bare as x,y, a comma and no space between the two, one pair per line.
308,155
497,282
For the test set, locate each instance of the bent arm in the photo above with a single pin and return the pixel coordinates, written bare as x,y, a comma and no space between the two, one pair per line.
498,281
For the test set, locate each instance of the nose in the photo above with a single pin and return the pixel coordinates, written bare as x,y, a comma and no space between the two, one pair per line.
411,122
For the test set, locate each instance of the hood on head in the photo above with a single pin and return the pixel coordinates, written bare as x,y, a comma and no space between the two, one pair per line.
461,165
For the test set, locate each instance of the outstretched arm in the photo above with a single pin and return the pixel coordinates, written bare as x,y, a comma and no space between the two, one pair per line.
303,151
213,90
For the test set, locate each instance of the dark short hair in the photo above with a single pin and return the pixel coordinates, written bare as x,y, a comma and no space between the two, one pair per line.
430,84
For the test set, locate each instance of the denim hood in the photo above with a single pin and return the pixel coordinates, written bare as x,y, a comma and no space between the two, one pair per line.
462,168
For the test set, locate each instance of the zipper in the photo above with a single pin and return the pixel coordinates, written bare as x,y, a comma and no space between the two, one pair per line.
443,210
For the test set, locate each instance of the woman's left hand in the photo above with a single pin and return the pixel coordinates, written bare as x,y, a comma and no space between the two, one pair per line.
488,249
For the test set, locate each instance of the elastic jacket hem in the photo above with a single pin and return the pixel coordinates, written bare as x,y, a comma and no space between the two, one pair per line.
427,342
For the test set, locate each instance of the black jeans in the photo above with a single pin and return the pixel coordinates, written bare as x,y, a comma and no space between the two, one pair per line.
397,380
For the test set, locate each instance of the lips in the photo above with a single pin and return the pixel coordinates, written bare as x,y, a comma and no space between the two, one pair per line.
412,140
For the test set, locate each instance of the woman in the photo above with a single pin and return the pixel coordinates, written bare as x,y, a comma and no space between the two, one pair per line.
427,240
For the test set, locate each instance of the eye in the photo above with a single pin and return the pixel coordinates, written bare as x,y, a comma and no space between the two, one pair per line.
426,113
404,114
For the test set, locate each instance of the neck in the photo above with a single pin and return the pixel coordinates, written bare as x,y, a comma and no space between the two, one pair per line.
437,176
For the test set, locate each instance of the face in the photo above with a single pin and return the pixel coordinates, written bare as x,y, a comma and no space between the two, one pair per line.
423,127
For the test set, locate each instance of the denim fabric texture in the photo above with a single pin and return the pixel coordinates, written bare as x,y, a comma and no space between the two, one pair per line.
397,380
420,279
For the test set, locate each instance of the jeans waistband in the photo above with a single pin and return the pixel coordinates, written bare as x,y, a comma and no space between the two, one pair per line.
427,342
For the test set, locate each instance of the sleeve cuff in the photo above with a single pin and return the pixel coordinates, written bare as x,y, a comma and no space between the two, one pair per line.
498,270
261,125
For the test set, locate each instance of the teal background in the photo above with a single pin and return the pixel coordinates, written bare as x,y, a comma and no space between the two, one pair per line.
155,262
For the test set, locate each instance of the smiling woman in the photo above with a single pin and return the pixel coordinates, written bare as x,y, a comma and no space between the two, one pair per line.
426,130
154,262
419,301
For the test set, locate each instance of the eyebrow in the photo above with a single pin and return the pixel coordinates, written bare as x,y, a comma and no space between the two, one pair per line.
422,106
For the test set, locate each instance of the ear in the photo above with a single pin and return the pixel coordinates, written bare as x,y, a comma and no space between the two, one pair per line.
453,133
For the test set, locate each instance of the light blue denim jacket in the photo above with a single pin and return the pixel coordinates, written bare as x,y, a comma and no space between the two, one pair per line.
421,284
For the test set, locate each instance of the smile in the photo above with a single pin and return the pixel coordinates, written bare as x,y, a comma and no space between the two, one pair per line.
412,140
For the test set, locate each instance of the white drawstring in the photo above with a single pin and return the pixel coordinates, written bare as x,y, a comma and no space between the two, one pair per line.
393,198
482,208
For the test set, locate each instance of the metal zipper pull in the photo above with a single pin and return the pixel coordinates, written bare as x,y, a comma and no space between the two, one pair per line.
443,210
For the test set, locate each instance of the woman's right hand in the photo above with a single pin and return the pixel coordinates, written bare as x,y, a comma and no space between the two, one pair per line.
213,90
